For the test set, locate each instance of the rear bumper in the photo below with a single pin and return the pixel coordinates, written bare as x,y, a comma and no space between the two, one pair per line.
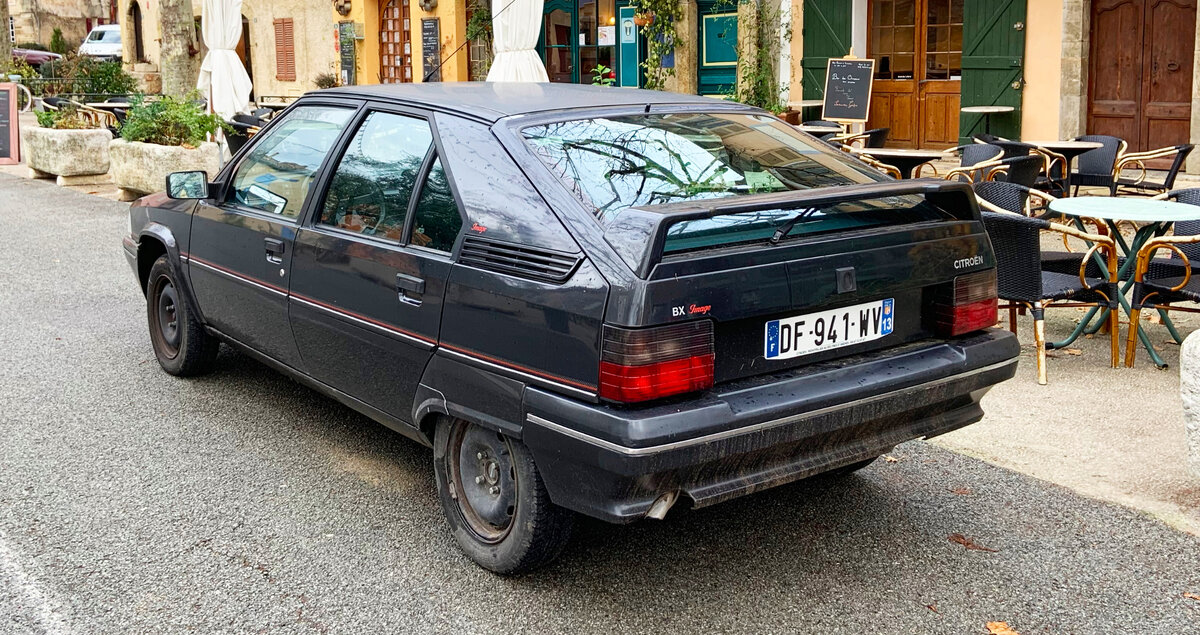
612,463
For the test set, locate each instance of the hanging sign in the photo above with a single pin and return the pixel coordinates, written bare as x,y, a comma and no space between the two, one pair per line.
848,84
431,49
10,145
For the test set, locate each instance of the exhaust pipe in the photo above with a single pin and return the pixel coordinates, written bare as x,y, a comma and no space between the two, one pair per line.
662,505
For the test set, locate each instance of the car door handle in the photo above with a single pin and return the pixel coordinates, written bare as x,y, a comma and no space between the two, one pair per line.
274,248
410,288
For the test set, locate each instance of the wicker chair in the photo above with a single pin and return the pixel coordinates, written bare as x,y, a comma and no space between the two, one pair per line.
1022,170
1160,282
1099,167
1013,149
1138,160
874,138
977,161
1021,282
1014,198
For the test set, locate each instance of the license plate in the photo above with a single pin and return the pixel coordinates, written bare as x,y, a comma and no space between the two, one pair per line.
835,328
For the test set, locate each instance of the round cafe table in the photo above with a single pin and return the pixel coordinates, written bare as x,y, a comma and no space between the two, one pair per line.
905,159
987,112
1154,219
819,130
1069,150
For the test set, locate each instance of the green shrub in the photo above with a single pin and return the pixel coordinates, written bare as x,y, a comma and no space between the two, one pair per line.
16,66
170,122
32,46
58,43
90,75
326,80
65,119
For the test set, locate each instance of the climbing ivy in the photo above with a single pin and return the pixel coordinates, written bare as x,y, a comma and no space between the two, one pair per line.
658,19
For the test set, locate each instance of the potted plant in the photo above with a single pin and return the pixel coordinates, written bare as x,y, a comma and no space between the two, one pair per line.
69,145
160,137
645,18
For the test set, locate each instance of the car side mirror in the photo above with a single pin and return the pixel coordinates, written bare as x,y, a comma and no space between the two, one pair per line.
187,185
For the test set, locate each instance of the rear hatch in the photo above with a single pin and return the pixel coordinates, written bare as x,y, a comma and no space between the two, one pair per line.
798,277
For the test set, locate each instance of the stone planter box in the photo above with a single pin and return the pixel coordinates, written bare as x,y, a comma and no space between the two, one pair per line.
142,168
76,157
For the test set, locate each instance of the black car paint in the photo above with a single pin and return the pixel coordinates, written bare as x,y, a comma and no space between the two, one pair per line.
520,355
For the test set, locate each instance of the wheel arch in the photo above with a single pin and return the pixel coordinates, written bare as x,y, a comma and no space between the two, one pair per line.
155,241
450,388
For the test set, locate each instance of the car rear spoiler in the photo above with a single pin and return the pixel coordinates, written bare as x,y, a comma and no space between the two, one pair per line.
652,222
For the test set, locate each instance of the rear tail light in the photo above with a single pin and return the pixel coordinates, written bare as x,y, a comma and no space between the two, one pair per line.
968,304
643,364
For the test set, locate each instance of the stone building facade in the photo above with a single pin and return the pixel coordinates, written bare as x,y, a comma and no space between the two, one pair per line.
34,21
285,44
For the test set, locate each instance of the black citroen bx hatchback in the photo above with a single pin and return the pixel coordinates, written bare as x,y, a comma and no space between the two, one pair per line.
586,300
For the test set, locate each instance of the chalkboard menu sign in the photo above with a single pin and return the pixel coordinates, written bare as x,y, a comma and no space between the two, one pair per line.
10,152
431,49
346,56
848,89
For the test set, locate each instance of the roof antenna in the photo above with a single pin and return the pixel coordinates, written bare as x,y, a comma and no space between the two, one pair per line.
460,46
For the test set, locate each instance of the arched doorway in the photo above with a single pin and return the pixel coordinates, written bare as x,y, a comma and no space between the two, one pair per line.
395,42
139,46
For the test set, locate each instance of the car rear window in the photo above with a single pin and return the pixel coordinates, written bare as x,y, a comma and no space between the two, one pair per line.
613,163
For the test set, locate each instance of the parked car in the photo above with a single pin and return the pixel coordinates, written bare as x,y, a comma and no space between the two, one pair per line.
585,300
34,57
103,42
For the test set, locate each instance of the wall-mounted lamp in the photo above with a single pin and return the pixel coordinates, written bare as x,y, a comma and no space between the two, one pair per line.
342,7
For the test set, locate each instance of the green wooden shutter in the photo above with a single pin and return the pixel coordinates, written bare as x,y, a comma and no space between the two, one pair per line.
826,35
993,63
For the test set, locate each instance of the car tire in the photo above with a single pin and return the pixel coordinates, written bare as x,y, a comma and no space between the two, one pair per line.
182,346
494,499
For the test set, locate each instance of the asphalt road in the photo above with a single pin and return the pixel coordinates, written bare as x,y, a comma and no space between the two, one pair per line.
131,501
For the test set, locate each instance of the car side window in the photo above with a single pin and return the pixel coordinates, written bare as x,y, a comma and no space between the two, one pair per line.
370,190
436,221
277,173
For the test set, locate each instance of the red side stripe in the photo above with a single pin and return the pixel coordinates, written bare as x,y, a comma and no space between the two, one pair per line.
524,369
237,275
364,318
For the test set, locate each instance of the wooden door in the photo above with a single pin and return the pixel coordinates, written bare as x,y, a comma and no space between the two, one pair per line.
395,43
1140,71
826,35
917,46
993,65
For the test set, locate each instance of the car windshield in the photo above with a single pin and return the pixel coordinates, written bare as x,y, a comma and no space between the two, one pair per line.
613,163
107,37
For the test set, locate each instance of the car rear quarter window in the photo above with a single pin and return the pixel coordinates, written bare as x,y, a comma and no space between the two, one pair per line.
371,188
436,222
276,174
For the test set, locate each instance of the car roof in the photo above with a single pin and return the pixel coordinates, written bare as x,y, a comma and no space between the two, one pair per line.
107,27
494,100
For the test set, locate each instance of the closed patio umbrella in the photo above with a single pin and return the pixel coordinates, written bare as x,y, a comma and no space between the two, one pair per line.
223,79
516,27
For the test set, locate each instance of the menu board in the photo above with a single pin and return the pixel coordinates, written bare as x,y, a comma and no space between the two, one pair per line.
346,54
848,89
10,152
431,49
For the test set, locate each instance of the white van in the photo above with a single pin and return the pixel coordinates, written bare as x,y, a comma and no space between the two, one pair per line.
103,42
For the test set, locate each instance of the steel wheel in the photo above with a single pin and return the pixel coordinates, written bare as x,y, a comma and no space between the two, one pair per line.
484,481
165,328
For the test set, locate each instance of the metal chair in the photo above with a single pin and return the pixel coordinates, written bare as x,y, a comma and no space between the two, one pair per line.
1161,282
1099,167
1021,282
1138,159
